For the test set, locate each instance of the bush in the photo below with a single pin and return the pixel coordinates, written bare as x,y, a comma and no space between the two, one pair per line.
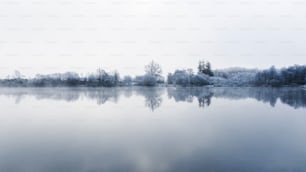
200,80
149,80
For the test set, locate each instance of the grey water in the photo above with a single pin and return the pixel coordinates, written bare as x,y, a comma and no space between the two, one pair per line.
137,129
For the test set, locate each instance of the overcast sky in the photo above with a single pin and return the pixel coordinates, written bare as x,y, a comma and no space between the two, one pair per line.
46,36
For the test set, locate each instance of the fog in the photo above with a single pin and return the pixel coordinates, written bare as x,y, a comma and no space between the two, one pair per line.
82,35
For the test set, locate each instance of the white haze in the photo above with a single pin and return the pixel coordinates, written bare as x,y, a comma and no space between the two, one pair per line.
40,36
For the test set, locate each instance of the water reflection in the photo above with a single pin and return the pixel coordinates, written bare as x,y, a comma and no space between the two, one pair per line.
153,97
49,135
294,97
203,95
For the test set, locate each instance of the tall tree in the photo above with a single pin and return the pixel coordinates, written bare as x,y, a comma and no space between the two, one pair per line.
205,68
153,74
208,68
201,67
153,69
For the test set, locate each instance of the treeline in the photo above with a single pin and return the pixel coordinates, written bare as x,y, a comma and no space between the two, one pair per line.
101,78
290,76
189,78
294,75
232,77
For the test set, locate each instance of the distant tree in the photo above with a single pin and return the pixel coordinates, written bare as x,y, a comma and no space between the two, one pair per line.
201,67
190,74
138,80
181,77
205,68
200,80
153,74
17,75
274,79
101,74
127,80
209,70
116,77
70,79
149,80
153,69
104,79
293,75
290,76
170,78
188,78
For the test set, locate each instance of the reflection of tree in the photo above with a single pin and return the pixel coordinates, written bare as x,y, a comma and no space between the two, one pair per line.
187,94
128,92
153,98
18,99
65,94
293,97
153,102
103,95
205,99
181,94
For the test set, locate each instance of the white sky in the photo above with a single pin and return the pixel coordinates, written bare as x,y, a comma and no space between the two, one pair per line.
46,36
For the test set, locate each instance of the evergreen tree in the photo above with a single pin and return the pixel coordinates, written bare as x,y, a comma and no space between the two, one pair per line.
205,68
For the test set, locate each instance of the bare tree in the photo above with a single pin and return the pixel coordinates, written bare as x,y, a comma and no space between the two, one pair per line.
153,69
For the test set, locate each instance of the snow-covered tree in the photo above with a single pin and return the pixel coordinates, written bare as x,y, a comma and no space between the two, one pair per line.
149,80
153,69
153,74
187,78
127,80
205,68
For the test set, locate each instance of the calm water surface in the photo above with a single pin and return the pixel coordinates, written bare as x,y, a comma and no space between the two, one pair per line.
152,129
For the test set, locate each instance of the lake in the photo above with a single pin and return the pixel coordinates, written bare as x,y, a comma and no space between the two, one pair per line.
137,129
